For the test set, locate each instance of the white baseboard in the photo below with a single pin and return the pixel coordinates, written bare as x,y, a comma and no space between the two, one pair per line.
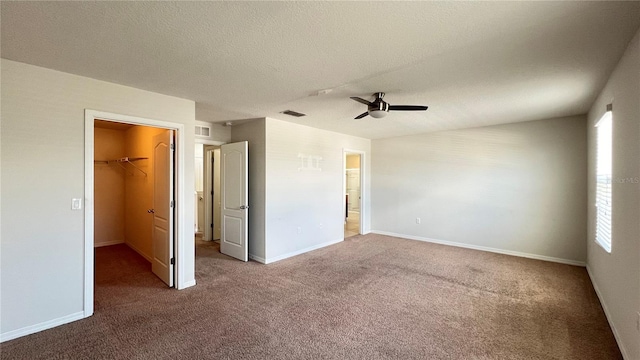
32,329
484,248
302,251
616,335
257,258
108,243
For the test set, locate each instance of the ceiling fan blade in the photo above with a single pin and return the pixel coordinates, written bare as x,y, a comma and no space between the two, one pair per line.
407,107
362,115
362,101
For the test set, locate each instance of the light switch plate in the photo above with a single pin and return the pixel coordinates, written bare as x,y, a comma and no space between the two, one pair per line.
76,204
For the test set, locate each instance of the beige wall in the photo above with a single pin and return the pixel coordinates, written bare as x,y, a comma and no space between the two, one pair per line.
517,188
616,276
219,132
139,190
109,179
254,133
285,196
304,197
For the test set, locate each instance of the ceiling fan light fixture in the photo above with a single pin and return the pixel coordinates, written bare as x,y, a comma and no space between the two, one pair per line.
378,113
379,108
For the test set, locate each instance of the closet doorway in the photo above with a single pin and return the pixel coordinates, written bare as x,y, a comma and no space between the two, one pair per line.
133,193
132,196
352,193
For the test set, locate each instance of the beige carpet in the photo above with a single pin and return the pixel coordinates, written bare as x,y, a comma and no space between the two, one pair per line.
370,297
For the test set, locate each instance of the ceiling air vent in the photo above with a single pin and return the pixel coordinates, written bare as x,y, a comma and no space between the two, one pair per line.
293,113
203,131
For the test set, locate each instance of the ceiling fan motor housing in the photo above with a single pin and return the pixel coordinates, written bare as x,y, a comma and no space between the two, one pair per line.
378,108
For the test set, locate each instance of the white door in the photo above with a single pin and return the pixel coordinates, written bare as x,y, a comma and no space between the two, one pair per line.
234,186
163,206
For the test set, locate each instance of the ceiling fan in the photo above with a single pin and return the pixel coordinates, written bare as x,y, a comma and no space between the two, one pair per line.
379,108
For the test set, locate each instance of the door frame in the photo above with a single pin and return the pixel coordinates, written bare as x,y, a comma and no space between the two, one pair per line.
207,173
181,254
363,191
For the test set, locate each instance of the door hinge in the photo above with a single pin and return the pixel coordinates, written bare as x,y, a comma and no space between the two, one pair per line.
173,261
211,225
171,203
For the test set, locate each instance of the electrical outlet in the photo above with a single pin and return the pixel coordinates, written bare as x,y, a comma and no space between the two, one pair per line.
299,230
320,226
417,220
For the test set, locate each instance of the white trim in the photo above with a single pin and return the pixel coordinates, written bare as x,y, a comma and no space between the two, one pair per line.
257,258
108,243
187,284
484,248
89,117
298,252
32,329
208,172
207,188
363,192
607,314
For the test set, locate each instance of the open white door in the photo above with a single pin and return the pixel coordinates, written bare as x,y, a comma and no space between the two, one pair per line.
234,185
163,205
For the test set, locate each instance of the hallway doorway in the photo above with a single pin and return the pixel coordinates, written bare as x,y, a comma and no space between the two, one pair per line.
352,193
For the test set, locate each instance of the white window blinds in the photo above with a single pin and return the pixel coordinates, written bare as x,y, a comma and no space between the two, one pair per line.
604,179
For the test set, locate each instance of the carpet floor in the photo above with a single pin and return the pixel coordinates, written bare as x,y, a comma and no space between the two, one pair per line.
369,297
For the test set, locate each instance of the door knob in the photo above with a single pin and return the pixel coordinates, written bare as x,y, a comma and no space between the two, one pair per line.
151,211
242,207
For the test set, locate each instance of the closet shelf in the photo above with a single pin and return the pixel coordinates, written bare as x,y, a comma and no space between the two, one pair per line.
124,160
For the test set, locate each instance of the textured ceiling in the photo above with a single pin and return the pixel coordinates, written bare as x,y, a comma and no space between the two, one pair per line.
473,63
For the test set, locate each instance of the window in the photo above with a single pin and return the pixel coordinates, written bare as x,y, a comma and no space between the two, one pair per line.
604,179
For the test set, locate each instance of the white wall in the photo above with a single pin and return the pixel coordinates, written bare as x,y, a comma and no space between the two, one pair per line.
616,276
218,133
517,188
43,169
311,200
254,133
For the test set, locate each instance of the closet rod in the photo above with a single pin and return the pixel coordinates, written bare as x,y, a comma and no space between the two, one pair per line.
125,160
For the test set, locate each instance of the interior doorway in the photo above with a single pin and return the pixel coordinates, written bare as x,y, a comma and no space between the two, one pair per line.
154,147
134,197
352,193
222,205
207,192
212,192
